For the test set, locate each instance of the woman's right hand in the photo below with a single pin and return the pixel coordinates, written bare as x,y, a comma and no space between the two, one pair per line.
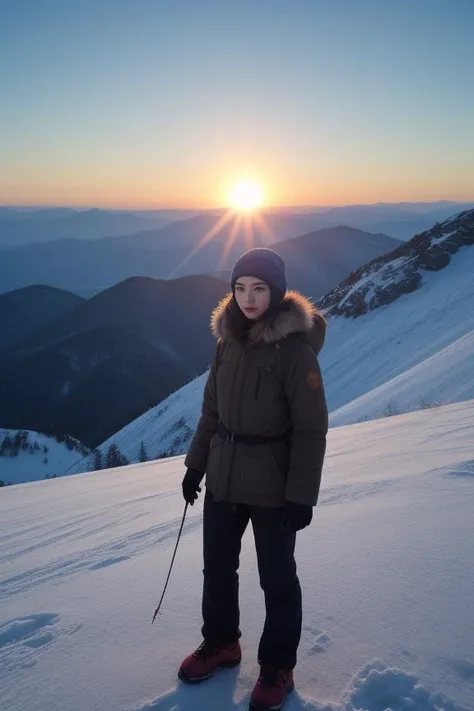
191,485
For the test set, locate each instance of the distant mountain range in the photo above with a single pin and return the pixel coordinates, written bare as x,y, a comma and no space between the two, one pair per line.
104,361
87,267
20,226
24,311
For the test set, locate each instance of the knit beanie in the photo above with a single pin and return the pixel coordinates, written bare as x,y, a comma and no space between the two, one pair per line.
264,264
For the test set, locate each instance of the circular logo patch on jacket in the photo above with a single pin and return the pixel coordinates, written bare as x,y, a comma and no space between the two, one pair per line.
313,379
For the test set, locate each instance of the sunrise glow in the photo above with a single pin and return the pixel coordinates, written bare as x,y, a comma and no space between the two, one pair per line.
246,196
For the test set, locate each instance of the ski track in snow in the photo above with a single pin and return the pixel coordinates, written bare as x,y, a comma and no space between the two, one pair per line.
74,530
96,557
125,547
344,492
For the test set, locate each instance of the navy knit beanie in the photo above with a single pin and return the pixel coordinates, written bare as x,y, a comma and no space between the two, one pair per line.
264,264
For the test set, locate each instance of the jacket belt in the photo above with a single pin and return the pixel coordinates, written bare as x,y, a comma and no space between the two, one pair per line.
238,438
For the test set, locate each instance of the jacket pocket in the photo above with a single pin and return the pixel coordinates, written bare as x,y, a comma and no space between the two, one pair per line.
280,452
213,451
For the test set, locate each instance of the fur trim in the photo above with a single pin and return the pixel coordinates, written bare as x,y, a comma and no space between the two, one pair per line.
295,314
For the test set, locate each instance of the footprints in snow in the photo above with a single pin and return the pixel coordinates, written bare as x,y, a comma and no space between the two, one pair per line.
22,638
463,669
463,469
378,687
318,640
25,629
460,470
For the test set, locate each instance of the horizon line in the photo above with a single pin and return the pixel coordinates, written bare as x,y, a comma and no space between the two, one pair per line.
305,206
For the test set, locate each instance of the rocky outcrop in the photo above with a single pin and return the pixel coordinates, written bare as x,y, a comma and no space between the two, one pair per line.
386,278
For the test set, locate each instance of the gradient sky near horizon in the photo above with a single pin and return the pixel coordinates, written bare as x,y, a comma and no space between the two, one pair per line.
166,103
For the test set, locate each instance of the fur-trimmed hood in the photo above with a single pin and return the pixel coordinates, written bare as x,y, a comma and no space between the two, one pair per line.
295,314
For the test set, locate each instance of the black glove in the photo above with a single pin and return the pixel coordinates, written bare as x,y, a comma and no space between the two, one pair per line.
190,485
296,516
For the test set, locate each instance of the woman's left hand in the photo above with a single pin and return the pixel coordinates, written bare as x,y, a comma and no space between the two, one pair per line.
296,516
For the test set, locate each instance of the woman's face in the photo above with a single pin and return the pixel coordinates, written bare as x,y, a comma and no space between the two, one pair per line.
253,296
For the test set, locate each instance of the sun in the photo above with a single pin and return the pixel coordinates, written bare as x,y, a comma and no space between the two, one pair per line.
246,196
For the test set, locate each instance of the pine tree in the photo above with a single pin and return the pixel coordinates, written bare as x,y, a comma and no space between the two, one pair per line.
97,460
123,461
6,447
112,457
143,457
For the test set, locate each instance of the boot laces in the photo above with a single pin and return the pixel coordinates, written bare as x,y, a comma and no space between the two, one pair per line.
205,650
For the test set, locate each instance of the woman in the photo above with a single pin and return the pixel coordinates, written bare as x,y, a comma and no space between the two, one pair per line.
260,440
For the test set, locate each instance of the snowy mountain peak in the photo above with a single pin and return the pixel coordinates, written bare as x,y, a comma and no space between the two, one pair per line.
386,278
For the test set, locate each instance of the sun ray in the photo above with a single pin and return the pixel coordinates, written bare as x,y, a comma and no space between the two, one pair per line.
260,220
233,234
202,242
249,231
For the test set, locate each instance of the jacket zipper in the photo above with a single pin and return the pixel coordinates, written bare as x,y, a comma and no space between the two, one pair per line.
230,426
239,413
239,410
233,388
257,387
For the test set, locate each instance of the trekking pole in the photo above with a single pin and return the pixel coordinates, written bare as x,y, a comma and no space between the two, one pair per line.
172,561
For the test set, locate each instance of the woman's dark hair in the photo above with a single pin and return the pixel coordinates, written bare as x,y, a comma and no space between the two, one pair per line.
241,325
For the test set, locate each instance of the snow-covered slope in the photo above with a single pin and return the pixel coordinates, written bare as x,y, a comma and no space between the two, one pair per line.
26,455
415,351
447,376
364,353
386,569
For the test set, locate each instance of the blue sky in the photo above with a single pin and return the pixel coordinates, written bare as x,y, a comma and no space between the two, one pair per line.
156,103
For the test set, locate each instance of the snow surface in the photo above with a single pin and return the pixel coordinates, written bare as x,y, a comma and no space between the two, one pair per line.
30,466
386,569
445,377
414,352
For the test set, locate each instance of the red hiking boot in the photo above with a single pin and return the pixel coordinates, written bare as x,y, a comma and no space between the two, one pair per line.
207,659
271,689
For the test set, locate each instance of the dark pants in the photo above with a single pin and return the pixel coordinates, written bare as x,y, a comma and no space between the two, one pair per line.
224,526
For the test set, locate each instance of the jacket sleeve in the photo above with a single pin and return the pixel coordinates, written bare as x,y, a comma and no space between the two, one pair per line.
309,421
198,451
